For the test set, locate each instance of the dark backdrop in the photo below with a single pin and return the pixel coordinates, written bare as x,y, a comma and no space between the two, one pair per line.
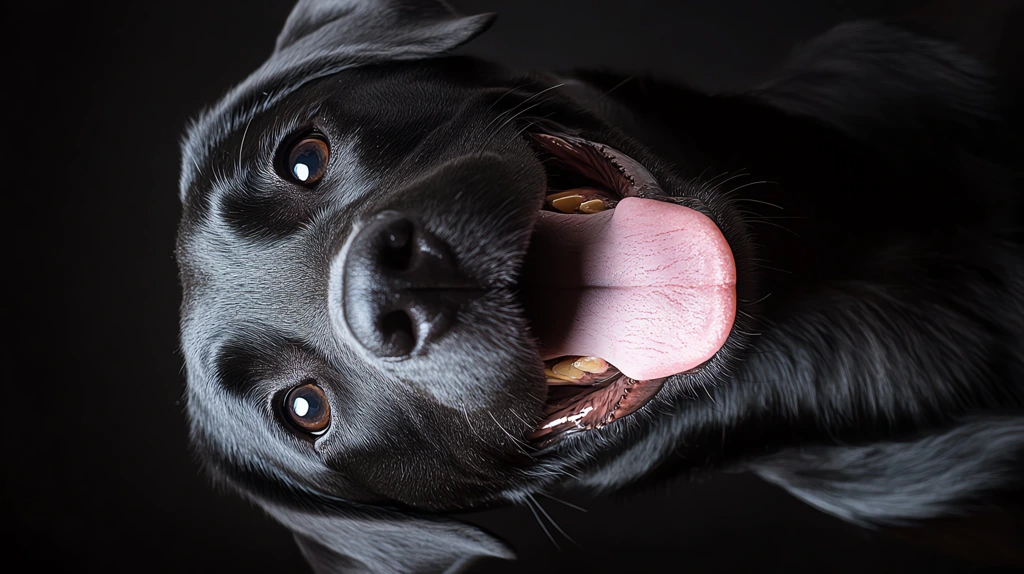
97,473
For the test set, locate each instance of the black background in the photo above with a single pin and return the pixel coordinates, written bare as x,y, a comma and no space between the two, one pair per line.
97,470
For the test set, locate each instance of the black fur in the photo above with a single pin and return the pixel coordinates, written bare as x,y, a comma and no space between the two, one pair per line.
870,193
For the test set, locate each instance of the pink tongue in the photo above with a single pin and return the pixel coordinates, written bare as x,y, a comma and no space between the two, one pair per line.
649,286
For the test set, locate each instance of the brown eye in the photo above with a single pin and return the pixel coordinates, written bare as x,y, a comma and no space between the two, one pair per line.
307,160
307,408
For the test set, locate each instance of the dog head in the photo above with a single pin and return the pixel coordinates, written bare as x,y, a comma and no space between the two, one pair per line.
375,323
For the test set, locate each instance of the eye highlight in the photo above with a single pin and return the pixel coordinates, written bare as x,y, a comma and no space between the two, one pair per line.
306,407
305,160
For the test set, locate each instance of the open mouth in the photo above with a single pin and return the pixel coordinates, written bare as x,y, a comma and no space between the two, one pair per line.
623,285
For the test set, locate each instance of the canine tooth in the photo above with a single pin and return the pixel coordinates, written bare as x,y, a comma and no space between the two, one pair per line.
566,369
594,365
567,204
592,206
560,194
553,375
562,381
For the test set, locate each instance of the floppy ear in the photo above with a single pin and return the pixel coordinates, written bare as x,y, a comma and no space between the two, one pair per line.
383,540
941,474
322,37
389,28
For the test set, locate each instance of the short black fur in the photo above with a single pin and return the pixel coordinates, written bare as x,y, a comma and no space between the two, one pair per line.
871,194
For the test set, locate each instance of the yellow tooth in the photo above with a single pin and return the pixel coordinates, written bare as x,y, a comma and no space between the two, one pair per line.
567,204
592,206
591,364
561,194
553,375
566,369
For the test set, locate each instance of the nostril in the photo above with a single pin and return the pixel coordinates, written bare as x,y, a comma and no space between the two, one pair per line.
401,287
398,334
397,245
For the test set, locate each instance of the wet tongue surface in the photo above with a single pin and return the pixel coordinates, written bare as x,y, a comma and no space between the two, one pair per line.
648,286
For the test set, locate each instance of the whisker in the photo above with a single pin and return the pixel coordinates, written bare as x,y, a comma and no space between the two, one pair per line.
786,229
542,526
770,268
519,444
241,146
619,85
469,424
756,201
718,185
520,132
764,320
518,417
502,96
565,502
723,174
561,472
551,520
506,122
513,109
748,184
758,301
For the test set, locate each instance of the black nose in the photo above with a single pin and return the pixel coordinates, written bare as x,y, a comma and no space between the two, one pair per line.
401,287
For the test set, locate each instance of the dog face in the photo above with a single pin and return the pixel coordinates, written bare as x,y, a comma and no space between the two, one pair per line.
389,429
360,252
366,257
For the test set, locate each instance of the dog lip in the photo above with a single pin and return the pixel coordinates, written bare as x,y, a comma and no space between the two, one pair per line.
601,163
593,408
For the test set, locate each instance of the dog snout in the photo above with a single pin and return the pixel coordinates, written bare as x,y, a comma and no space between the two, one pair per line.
401,287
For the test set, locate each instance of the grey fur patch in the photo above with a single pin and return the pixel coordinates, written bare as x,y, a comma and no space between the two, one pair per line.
387,542
892,483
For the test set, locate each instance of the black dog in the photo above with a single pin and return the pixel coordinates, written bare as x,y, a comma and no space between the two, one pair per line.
417,284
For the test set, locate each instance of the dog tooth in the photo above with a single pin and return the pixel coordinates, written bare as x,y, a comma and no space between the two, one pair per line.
595,365
564,381
566,369
567,204
553,375
592,206
560,195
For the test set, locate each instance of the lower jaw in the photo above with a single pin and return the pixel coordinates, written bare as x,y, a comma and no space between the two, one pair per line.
590,402
570,410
